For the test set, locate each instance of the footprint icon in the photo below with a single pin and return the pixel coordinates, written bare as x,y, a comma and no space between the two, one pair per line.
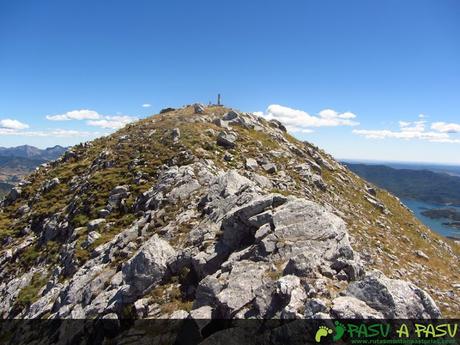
322,332
339,331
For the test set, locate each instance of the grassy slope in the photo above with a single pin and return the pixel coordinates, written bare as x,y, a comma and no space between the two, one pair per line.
389,241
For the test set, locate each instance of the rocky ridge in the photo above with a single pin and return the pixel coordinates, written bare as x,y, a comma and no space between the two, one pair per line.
206,212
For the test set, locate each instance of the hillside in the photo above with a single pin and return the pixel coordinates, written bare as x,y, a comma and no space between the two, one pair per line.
424,185
208,212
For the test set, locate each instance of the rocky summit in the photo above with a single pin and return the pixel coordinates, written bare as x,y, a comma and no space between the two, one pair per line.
208,212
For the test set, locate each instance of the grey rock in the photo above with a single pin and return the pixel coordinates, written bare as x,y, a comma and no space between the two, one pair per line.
166,110
261,181
371,191
204,312
228,184
231,115
175,134
350,269
304,171
141,306
303,264
149,264
327,272
103,213
239,224
221,123
318,181
226,139
92,236
285,285
50,184
269,168
116,196
277,124
251,164
228,157
306,220
69,155
120,190
23,210
376,203
179,315
210,132
77,313
348,307
198,108
202,316
393,298
244,278
13,195
291,290
52,228
117,279
183,191
322,316
314,306
207,291
95,224
421,254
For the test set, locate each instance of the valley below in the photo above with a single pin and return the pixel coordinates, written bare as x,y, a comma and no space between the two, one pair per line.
18,162
432,193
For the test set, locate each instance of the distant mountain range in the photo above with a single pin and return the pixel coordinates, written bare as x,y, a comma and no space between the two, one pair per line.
435,167
32,152
424,185
17,162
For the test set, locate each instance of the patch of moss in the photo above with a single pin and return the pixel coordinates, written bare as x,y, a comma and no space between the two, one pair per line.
29,293
80,220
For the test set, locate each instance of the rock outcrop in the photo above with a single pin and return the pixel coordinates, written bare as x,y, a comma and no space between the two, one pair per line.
169,227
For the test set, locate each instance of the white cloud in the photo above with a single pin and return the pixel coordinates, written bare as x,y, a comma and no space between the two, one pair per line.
384,133
413,130
447,140
146,105
444,127
60,133
300,121
12,124
83,114
416,126
94,118
332,114
113,122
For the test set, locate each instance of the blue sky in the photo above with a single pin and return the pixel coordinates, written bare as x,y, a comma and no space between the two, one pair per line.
352,77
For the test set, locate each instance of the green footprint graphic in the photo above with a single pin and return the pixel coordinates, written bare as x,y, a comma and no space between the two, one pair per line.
321,332
339,331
